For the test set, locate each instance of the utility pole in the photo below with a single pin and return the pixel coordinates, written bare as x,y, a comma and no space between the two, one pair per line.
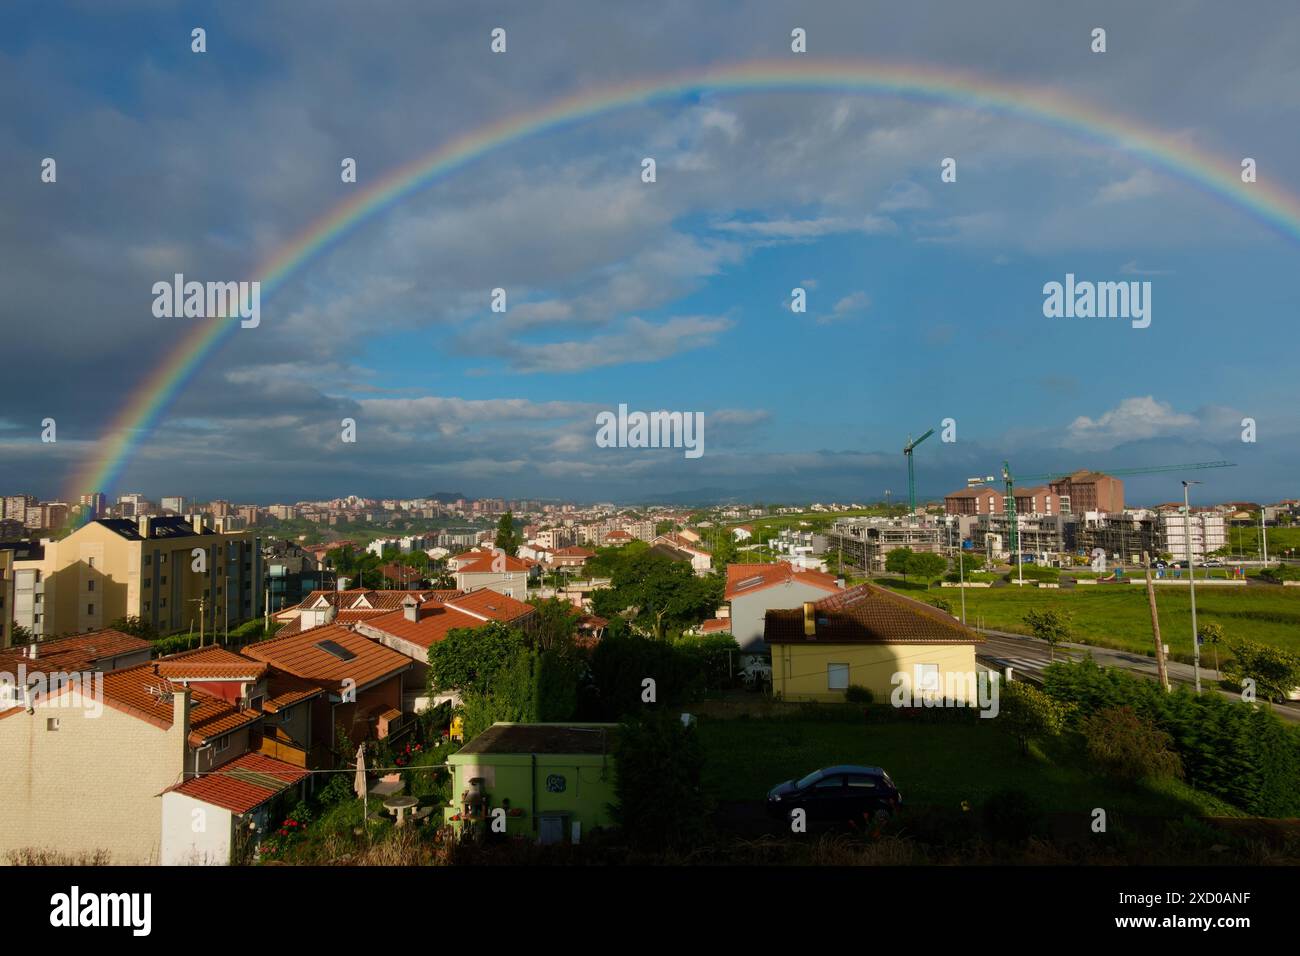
1155,625
1191,582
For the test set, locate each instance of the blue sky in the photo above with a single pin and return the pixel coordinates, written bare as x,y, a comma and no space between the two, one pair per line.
924,298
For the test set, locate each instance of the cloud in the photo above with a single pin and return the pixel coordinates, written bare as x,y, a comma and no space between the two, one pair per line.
850,306
633,340
1132,419
805,230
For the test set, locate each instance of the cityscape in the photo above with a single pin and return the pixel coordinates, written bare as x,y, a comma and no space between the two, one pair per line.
598,441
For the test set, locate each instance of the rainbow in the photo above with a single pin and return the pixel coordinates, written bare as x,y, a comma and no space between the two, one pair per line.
1221,177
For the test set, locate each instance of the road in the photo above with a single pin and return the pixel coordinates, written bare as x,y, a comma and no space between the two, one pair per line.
1027,656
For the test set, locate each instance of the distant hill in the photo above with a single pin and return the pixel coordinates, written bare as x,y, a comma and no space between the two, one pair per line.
443,497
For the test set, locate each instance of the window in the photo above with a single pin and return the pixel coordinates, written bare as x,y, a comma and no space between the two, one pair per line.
148,560
222,743
52,723
90,609
833,782
148,582
147,606
162,579
90,562
90,585
837,676
862,782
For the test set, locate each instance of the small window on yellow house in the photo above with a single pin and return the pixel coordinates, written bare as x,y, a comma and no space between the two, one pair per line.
837,676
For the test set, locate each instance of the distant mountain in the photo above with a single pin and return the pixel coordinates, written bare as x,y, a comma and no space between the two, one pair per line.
443,497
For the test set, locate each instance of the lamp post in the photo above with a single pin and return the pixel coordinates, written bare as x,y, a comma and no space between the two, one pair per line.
1191,580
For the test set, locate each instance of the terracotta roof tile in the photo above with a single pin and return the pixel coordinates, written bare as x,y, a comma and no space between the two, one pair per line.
309,655
80,652
868,614
747,578
244,783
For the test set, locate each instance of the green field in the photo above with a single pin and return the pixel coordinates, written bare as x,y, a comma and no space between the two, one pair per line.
1117,616
933,764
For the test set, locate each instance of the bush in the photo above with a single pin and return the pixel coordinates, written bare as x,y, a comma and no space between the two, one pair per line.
660,800
1276,672
1032,572
1013,816
1128,746
1242,754
857,694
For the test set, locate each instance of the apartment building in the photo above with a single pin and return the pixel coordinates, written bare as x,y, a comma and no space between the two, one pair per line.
1090,491
166,571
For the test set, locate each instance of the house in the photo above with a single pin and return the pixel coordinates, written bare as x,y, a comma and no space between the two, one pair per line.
419,625
91,763
616,539
106,650
364,681
571,557
742,532
863,637
754,589
497,572
347,607
555,782
681,548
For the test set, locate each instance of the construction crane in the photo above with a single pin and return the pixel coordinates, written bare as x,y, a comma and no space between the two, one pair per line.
1013,526
911,474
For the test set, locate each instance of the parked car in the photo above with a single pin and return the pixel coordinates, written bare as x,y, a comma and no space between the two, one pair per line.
837,795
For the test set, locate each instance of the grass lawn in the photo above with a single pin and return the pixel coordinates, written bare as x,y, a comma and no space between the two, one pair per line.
1117,615
933,764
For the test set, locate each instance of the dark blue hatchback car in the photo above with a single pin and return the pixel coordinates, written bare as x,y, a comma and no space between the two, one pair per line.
839,794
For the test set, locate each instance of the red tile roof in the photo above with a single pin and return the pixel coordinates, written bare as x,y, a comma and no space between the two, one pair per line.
284,690
437,619
491,563
363,661
78,653
868,614
747,578
244,783
208,663
716,625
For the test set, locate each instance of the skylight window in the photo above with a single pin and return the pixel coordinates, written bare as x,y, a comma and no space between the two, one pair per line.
330,647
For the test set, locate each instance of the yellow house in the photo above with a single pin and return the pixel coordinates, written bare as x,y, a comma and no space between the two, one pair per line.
868,637
161,570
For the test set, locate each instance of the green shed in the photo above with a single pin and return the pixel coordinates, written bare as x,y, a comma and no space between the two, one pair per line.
550,782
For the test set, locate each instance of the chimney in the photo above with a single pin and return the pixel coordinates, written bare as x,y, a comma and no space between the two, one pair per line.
411,610
143,523
196,522
181,712
32,650
809,619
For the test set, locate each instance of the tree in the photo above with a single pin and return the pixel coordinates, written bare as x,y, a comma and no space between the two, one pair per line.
660,801
508,539
1049,625
468,658
968,562
896,561
1028,714
1128,746
555,624
135,627
1212,634
659,593
926,566
1275,672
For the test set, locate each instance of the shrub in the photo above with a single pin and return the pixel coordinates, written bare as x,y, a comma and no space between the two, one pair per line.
1013,816
1276,672
857,694
660,800
1028,714
1128,746
1242,754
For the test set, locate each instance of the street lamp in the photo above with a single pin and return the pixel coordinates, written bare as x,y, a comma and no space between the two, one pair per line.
1191,579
